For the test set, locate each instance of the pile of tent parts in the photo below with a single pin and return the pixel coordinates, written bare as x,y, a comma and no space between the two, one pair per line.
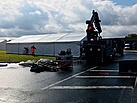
27,63
41,65
3,64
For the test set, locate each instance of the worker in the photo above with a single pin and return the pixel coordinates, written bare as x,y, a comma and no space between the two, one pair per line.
26,50
33,50
68,51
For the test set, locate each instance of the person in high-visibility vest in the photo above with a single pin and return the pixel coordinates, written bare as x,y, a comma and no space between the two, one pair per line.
33,50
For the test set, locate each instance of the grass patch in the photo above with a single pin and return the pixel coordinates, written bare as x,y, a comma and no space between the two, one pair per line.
18,57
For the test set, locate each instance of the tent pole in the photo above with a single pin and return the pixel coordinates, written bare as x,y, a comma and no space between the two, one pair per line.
18,49
54,49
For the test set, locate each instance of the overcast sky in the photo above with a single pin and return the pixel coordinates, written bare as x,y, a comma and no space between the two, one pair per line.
24,17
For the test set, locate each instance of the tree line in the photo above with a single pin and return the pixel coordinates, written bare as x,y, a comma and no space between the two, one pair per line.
131,36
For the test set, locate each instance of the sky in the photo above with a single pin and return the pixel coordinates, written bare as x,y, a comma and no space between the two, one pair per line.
125,2
25,17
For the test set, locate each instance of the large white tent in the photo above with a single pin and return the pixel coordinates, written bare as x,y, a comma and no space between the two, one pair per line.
3,44
4,40
47,44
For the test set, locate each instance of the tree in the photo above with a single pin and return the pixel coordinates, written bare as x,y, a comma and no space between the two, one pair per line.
131,36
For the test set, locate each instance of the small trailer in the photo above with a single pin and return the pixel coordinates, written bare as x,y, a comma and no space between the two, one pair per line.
65,59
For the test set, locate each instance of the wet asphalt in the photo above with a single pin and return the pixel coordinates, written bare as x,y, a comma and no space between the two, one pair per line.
81,84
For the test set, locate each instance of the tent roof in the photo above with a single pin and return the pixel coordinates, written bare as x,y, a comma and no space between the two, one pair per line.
2,41
60,37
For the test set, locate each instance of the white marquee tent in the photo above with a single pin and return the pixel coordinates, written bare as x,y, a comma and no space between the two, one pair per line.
3,44
3,41
47,44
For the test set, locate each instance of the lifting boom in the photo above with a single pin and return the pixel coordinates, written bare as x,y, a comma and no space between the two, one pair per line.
91,32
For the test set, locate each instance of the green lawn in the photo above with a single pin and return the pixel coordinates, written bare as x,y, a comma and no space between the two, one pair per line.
18,57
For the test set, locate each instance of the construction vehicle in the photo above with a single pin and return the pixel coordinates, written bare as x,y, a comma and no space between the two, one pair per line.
95,49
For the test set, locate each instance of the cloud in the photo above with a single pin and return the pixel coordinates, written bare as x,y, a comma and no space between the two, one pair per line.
23,17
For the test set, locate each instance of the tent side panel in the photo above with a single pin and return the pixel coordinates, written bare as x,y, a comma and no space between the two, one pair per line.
74,46
3,45
12,48
41,48
44,49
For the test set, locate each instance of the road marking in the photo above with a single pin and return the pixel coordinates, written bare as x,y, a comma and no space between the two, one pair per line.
104,77
135,82
91,87
47,87
104,70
